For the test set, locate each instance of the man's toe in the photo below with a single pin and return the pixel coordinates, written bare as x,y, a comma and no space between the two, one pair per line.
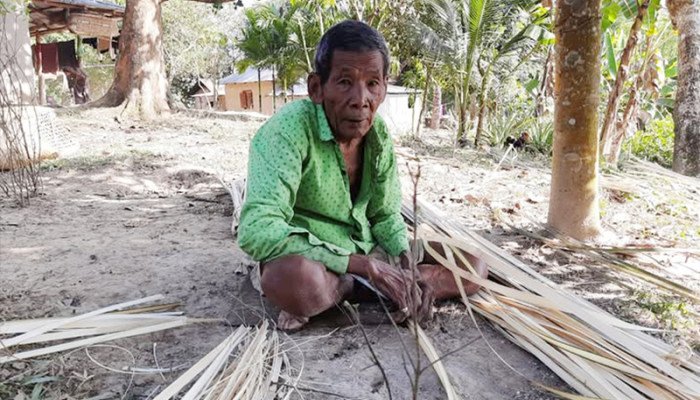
290,322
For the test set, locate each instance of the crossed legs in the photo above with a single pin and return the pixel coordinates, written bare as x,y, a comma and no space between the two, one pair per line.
303,288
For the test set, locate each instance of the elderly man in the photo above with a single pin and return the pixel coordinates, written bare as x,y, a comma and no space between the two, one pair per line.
322,212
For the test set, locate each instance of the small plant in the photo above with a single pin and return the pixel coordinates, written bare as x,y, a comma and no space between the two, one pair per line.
655,143
509,123
669,312
541,132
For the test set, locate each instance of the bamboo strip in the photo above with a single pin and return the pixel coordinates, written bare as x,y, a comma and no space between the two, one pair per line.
104,320
7,343
592,351
245,366
182,381
434,359
92,340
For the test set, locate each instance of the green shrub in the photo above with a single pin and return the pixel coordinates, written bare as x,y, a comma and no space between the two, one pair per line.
655,143
541,132
503,125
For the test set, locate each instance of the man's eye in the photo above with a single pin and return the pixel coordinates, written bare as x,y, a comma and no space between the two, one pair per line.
344,82
373,83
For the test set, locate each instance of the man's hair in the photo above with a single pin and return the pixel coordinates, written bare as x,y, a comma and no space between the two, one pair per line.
349,35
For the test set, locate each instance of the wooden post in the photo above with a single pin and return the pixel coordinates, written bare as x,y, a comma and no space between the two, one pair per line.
40,75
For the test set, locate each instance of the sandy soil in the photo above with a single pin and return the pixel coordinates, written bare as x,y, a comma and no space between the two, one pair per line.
140,210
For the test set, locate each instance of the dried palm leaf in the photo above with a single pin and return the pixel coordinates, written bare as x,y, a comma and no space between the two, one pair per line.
598,355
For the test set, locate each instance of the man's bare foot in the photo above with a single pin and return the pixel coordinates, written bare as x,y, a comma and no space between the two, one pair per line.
289,322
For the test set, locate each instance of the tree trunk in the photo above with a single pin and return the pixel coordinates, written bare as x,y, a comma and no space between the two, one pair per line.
274,91
462,122
685,15
436,109
623,130
482,107
545,89
573,204
461,110
39,73
607,131
259,93
424,99
140,78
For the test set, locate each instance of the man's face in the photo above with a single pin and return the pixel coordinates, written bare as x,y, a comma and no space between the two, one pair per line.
353,92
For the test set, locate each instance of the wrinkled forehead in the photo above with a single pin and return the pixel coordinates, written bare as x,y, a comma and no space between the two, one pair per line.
364,62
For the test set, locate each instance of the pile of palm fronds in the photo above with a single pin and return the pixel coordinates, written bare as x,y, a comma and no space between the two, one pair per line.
246,365
99,326
597,354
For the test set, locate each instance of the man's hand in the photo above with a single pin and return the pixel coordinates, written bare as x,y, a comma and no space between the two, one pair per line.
396,283
425,312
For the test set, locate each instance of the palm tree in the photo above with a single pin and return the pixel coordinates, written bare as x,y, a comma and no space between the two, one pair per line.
522,42
573,203
454,32
254,43
281,37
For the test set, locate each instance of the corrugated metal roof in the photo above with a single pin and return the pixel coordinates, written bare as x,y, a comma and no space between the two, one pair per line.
250,75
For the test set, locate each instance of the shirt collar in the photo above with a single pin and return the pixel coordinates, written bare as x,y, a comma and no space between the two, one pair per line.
324,129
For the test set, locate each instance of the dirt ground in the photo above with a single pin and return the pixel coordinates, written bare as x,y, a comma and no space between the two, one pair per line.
140,210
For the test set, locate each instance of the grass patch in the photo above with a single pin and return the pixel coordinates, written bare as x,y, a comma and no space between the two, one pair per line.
670,312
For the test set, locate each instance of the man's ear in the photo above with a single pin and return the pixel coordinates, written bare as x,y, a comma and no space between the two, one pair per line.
315,88
386,89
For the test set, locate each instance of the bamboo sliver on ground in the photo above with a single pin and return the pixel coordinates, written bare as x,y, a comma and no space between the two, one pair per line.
247,365
99,326
598,355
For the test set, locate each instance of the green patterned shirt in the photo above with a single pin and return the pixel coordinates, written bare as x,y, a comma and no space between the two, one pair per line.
298,193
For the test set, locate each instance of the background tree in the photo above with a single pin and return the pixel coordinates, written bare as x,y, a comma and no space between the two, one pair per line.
573,204
609,120
200,46
685,15
280,36
521,43
140,79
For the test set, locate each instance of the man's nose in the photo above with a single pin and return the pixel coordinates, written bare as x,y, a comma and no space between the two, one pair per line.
359,96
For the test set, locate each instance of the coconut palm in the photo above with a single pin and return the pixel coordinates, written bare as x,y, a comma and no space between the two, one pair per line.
254,44
523,42
455,33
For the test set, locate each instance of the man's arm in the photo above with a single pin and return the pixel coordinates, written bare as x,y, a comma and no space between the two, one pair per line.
274,174
384,209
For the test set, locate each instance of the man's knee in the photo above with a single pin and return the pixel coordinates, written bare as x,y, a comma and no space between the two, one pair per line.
298,285
290,272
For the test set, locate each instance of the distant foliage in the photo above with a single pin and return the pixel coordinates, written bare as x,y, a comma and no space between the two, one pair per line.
502,125
655,143
198,40
541,132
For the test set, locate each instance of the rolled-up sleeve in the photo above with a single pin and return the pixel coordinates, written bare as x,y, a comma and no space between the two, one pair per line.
274,174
